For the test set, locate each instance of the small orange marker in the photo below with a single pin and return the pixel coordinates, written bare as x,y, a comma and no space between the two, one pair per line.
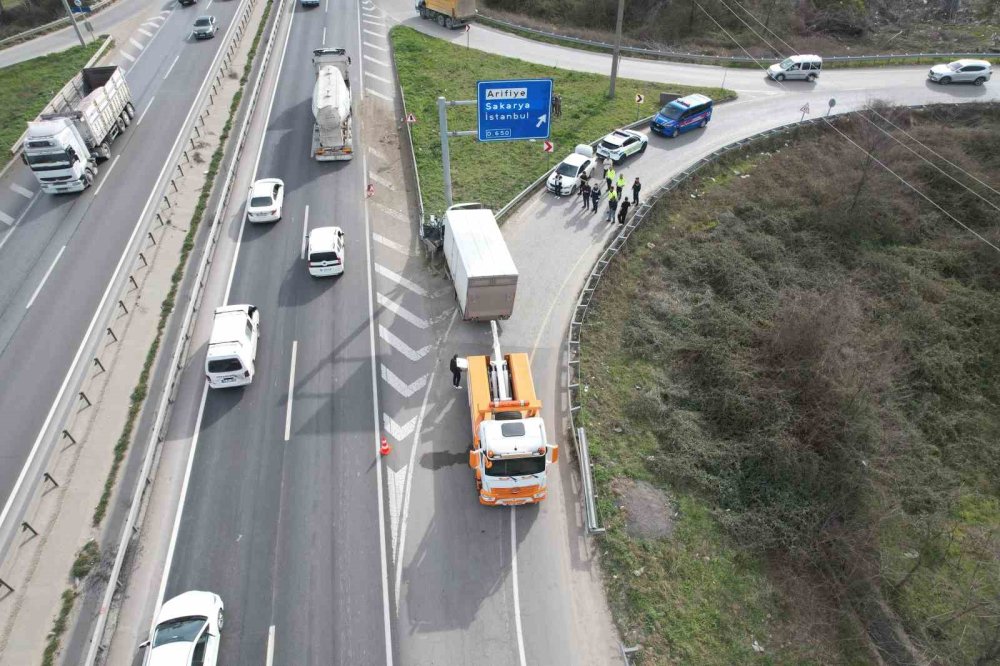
384,449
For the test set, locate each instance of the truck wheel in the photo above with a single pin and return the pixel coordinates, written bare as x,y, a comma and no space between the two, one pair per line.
448,23
126,121
440,20
130,110
104,151
88,179
423,13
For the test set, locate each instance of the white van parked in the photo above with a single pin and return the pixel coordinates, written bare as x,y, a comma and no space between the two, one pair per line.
233,346
801,67
325,253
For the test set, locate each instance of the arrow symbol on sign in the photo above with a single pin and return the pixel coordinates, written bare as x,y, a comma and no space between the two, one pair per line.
541,120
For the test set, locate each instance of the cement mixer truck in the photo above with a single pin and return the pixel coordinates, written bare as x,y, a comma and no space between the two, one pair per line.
509,451
331,106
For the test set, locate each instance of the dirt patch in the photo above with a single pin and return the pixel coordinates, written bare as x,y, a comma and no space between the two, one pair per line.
648,510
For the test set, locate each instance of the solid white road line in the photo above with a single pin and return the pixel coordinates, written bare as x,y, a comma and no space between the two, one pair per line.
44,278
146,110
378,94
513,575
402,312
291,389
305,233
136,44
378,78
107,174
20,217
378,463
270,647
324,36
401,281
374,46
23,191
376,60
326,8
171,68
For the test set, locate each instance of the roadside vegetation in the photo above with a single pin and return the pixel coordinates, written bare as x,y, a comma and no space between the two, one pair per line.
792,404
16,16
30,85
827,27
493,173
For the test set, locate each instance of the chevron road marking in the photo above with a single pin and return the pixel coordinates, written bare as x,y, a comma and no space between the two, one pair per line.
396,431
381,180
396,485
392,245
404,389
400,280
402,312
400,346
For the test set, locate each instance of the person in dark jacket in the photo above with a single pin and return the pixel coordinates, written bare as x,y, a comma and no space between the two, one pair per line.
456,372
585,195
595,195
636,186
623,211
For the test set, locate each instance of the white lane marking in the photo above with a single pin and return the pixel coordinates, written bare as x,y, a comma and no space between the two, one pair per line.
44,278
369,14
410,467
376,153
378,78
291,389
372,32
396,431
146,110
378,94
374,46
402,312
305,232
145,32
382,180
327,7
392,245
379,23
136,44
269,659
23,191
444,411
376,60
397,486
171,68
107,174
401,387
400,346
128,56
209,4
180,507
378,463
6,219
324,36
392,212
513,575
19,218
400,280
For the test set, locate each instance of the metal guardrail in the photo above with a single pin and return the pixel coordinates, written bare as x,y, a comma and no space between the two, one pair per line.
702,57
22,36
587,478
409,134
157,434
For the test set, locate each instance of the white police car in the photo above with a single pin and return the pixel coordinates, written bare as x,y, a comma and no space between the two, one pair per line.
566,177
621,143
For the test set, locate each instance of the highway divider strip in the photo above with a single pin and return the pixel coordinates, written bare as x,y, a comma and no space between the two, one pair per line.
157,434
702,57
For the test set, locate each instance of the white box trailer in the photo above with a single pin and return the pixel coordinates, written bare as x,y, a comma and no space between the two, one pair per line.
480,264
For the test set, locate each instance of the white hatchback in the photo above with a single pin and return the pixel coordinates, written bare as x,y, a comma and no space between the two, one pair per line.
187,631
325,255
264,202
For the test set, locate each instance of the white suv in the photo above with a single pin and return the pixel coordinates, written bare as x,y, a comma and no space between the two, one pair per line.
961,71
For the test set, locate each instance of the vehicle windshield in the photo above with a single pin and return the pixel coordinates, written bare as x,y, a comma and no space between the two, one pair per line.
786,63
517,466
260,202
49,160
181,630
203,21
671,111
224,365
955,66
567,169
316,257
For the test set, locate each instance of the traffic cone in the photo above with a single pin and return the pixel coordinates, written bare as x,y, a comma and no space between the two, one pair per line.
384,449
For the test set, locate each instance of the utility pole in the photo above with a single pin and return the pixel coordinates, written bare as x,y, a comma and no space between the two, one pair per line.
72,19
618,48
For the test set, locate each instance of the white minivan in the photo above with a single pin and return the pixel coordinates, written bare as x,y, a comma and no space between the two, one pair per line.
800,67
325,254
233,346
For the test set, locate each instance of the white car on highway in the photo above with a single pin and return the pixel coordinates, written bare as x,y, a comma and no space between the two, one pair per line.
621,143
264,202
977,72
187,631
566,177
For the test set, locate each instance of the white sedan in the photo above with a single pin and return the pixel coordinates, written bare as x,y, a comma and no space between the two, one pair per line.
187,631
621,143
264,202
566,177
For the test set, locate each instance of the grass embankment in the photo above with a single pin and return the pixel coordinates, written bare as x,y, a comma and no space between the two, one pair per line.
493,173
802,355
28,86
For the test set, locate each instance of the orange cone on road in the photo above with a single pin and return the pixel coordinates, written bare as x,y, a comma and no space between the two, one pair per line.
384,449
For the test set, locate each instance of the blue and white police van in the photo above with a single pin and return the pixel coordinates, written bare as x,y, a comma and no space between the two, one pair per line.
682,115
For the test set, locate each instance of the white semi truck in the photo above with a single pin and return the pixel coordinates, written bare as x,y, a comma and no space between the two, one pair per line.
63,147
333,131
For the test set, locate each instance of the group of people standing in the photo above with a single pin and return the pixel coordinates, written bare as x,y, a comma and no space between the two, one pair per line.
615,182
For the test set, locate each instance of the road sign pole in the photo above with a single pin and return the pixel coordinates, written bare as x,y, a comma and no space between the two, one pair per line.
445,157
73,21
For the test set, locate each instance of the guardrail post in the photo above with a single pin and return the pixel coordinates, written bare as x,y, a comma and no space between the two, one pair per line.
135,285
83,396
121,304
151,239
100,365
26,527
5,584
48,477
142,257
112,334
65,433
